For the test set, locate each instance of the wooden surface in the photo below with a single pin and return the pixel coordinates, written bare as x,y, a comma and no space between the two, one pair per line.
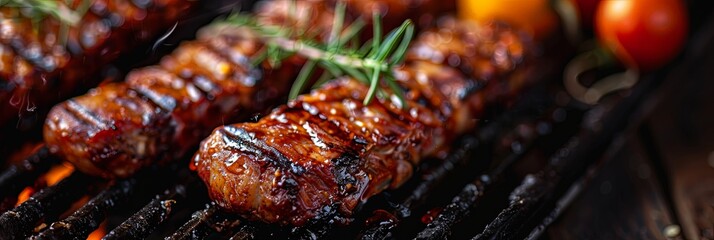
623,201
658,181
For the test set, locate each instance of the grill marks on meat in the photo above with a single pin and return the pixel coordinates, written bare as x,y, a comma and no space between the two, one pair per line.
36,69
487,54
326,152
162,111
322,149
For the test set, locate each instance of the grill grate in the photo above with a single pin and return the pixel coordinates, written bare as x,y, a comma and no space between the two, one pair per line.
22,220
88,217
530,207
537,196
438,228
17,177
531,201
146,220
527,200
47,203
197,227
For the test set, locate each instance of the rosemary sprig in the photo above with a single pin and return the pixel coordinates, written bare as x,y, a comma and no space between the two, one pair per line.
38,10
371,63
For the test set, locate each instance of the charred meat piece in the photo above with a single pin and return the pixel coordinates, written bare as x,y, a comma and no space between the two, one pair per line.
487,54
325,153
161,112
37,66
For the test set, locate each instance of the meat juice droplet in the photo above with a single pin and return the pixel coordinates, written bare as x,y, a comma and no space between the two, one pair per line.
194,165
379,217
431,215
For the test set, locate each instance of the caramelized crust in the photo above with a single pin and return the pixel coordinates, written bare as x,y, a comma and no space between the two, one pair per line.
38,69
325,153
485,53
161,112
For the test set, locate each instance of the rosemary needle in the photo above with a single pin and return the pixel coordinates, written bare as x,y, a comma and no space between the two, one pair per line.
38,10
370,63
302,78
41,8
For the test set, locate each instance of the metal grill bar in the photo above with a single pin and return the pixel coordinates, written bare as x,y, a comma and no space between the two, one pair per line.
473,193
462,204
20,221
313,231
433,178
197,227
436,177
523,200
245,232
562,204
146,220
17,177
83,221
538,193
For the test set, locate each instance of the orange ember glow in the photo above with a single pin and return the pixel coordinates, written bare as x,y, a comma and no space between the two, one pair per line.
54,175
58,173
99,233
24,195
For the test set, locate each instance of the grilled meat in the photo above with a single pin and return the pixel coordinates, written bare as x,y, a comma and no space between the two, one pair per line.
323,154
37,68
482,53
161,112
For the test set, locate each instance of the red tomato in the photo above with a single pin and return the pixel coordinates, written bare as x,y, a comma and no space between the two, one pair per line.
643,34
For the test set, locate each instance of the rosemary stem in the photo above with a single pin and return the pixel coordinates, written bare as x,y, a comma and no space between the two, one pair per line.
371,63
54,8
311,52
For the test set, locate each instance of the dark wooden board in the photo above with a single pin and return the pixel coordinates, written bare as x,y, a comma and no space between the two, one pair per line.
659,182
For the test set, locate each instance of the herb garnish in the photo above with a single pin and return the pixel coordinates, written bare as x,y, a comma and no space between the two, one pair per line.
342,55
38,10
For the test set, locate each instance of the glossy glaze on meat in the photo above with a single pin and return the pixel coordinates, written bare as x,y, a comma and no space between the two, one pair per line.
37,69
161,112
325,153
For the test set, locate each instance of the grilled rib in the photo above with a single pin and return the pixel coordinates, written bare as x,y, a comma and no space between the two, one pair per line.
325,153
37,68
